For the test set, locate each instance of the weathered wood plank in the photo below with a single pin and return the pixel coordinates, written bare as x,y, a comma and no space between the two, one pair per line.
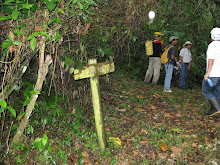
93,70
96,100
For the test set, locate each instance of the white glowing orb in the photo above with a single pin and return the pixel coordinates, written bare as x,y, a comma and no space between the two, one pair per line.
151,14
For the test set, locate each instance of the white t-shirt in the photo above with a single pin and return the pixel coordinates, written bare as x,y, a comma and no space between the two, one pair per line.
186,54
213,52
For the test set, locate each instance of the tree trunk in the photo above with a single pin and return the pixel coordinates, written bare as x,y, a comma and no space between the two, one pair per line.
8,88
42,72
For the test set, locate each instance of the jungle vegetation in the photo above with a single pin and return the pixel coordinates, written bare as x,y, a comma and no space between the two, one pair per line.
43,41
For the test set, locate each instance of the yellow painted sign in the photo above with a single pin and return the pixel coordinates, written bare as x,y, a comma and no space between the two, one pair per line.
93,70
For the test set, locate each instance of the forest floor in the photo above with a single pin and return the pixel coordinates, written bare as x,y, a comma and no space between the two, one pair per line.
144,125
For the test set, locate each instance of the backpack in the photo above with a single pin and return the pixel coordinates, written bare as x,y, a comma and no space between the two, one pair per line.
164,58
149,47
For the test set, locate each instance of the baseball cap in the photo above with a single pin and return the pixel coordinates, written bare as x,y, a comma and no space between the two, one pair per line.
173,38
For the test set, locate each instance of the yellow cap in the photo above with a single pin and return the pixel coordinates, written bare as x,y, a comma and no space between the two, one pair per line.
157,34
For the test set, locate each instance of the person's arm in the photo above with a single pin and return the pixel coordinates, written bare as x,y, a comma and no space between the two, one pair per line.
173,54
189,66
181,59
210,64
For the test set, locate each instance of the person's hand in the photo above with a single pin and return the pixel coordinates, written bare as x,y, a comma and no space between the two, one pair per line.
189,67
206,76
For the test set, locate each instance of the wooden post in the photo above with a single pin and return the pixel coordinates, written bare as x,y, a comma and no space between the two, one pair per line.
93,70
96,100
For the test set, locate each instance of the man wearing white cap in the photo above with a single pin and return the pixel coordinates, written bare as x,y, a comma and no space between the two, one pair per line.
169,65
185,58
212,91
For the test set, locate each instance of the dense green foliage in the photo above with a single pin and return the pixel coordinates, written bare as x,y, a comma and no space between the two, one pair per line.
75,31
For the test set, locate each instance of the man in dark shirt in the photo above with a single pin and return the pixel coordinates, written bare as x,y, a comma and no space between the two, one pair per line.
154,60
169,65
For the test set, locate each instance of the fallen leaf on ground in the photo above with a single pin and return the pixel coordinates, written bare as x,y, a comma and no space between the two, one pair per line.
162,156
116,140
144,142
195,150
143,132
135,153
127,118
152,107
140,96
54,146
167,115
194,136
153,156
178,115
194,145
164,146
157,124
77,145
120,110
176,149
86,160
185,144
85,154
184,136
139,109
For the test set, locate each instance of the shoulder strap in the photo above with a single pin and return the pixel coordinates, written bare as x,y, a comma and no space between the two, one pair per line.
170,47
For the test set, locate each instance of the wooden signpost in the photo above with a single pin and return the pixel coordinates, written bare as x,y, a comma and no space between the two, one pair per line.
93,71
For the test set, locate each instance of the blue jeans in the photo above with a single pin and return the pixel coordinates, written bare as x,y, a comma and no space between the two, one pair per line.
183,75
214,91
168,78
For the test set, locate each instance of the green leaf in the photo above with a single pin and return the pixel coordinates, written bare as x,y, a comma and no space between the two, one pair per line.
33,43
3,103
44,120
20,116
80,5
61,10
4,18
2,110
9,1
51,21
17,42
74,2
105,10
30,130
36,122
9,37
38,144
27,6
15,14
58,21
101,51
30,37
12,111
44,139
45,34
6,44
50,5
110,58
34,92
18,32
27,101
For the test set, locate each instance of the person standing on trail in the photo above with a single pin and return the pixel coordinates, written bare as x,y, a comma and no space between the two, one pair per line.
154,60
185,59
169,65
212,91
